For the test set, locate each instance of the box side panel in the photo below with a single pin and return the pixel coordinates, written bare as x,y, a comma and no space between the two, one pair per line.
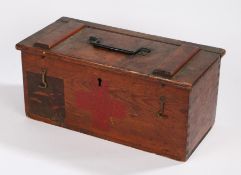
202,106
25,87
140,112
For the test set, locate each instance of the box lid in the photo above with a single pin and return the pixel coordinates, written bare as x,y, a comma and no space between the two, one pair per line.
157,57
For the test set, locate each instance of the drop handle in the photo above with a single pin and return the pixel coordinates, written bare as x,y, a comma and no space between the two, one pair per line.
96,42
43,83
160,113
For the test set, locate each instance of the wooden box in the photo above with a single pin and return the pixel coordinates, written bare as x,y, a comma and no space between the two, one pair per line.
151,93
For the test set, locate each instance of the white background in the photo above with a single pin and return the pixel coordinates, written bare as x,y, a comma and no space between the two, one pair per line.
31,147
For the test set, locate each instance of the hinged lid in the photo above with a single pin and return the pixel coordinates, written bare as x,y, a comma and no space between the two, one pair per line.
124,50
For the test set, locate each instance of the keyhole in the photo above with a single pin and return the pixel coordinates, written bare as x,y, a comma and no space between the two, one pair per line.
99,81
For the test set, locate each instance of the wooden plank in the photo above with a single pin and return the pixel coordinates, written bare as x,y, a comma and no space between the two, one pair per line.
219,51
175,61
185,76
196,67
57,34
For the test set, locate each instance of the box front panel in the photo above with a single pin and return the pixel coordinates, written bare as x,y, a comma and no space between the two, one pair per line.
126,108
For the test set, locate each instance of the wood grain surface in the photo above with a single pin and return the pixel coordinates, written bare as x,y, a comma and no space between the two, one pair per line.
140,126
116,96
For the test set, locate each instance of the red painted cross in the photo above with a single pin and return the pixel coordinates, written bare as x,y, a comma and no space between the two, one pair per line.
101,105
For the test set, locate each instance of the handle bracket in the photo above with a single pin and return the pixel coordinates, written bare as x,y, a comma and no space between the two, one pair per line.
96,42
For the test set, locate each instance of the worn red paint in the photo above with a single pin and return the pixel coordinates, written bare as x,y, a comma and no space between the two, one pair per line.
100,104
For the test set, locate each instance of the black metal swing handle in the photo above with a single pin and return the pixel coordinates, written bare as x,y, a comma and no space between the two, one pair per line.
96,42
